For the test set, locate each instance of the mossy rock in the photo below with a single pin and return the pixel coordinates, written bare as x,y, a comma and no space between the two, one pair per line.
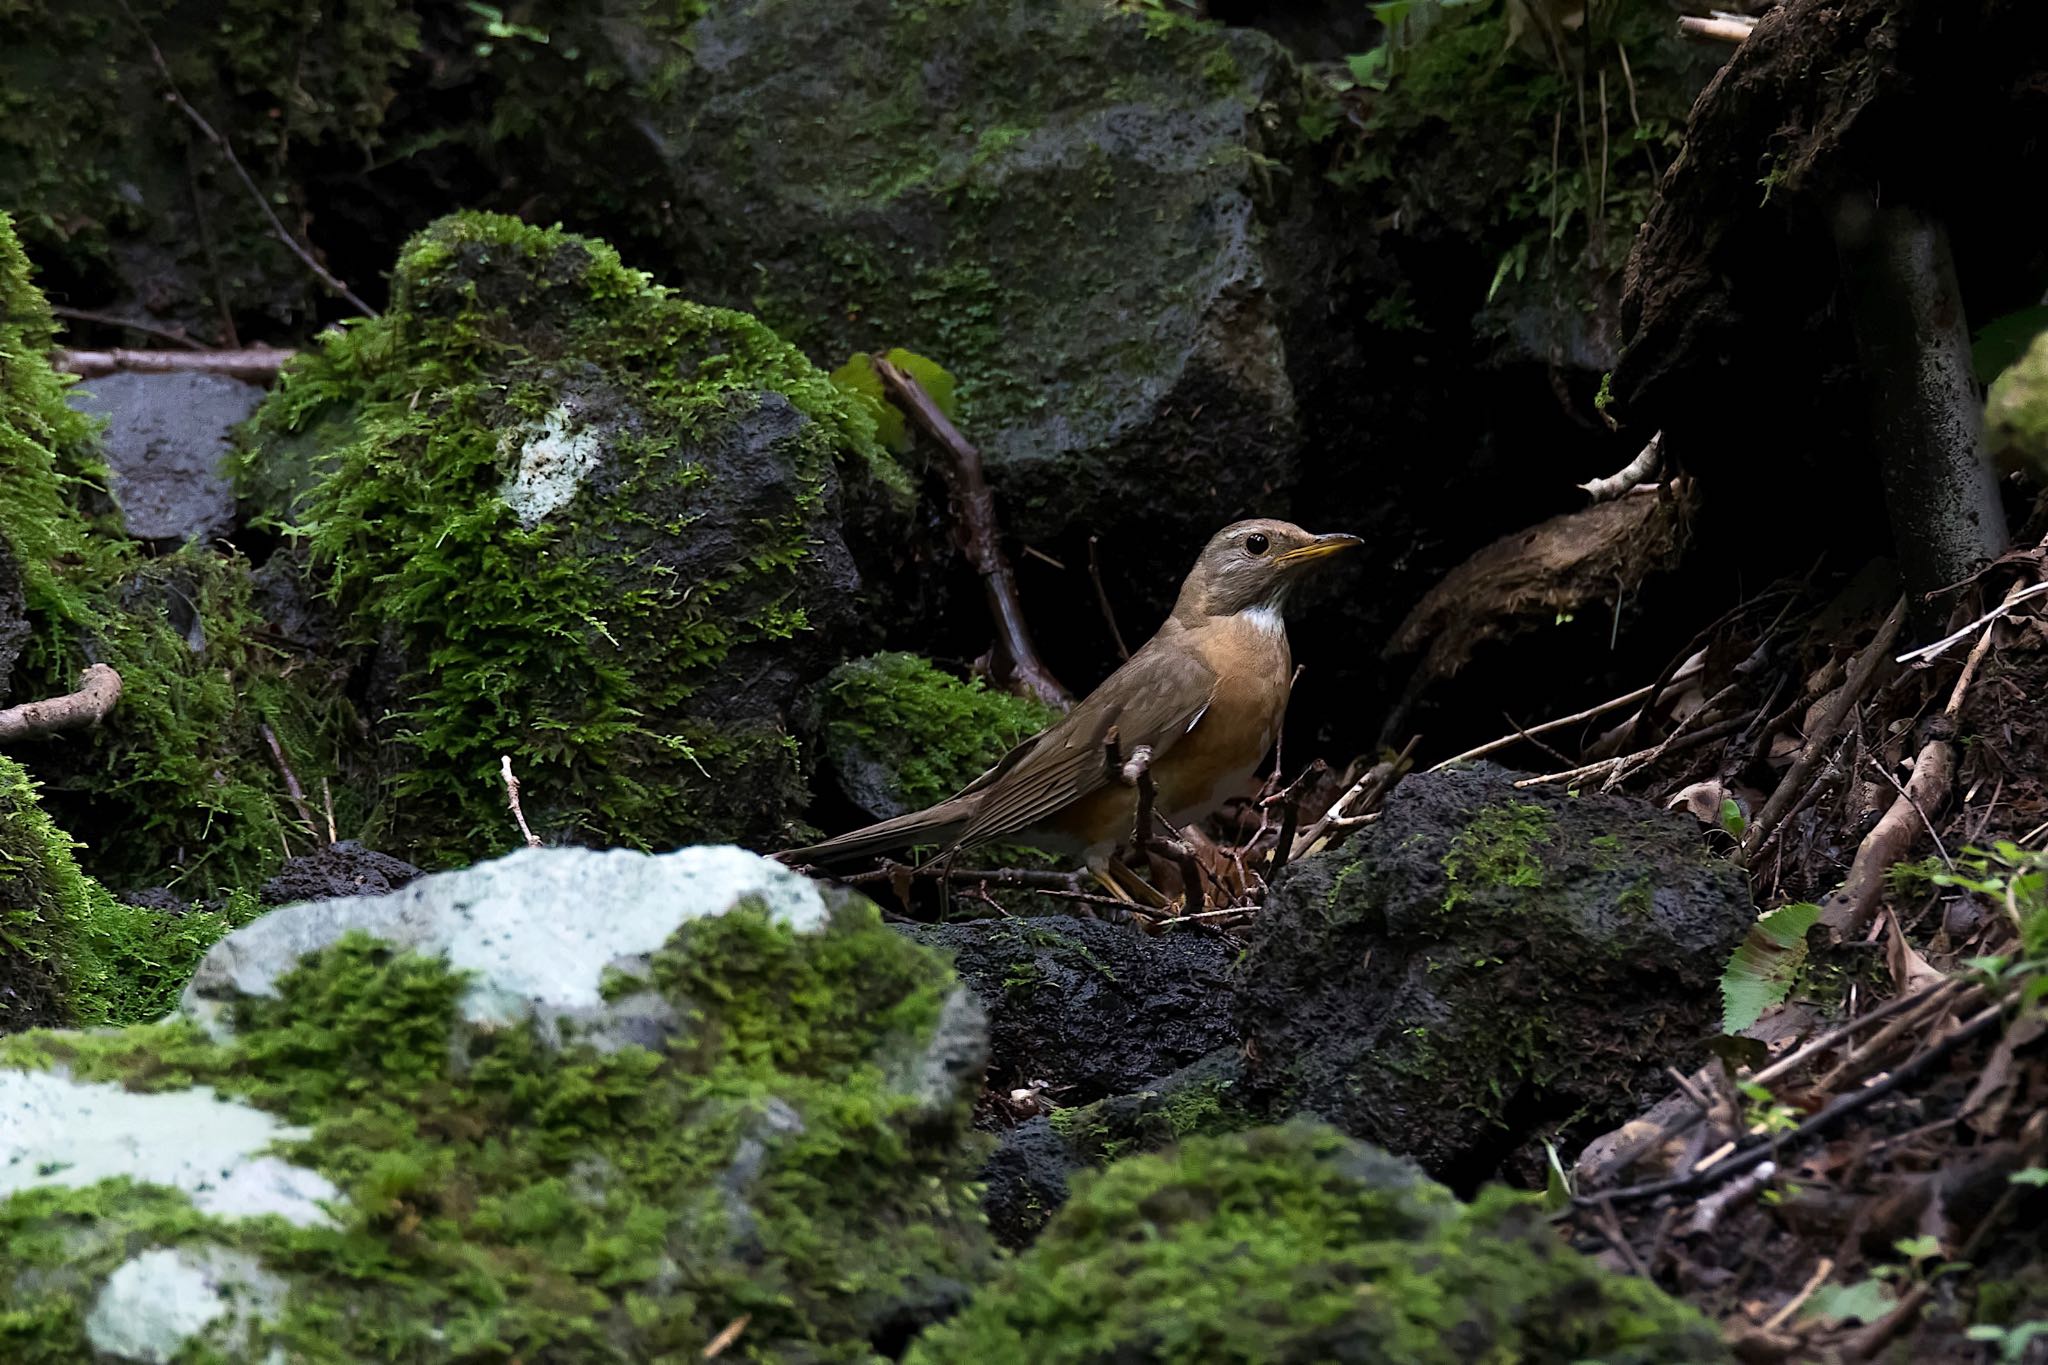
587,524
1082,211
2016,419
1487,963
1296,1246
178,783
469,1120
898,734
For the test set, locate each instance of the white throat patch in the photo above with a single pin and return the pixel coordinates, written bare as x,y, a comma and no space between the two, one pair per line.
1266,618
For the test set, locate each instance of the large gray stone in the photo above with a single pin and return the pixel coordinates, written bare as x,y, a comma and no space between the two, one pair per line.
573,1105
167,445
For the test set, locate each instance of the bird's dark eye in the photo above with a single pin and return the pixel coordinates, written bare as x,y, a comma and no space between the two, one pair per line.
1256,543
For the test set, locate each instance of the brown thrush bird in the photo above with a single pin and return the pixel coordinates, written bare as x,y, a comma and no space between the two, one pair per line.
1205,695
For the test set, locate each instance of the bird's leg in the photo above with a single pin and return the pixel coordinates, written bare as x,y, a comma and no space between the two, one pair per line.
1139,773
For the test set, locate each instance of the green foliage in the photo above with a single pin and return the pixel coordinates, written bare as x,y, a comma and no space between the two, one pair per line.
507,1198
1541,145
858,380
1763,969
574,637
2015,881
1296,1245
176,784
924,732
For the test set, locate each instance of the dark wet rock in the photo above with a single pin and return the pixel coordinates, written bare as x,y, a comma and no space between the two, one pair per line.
1089,1008
1089,215
345,868
1026,1179
1486,963
166,446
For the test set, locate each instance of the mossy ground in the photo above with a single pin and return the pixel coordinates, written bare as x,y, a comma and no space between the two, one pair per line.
510,1200
923,734
1297,1245
579,641
177,785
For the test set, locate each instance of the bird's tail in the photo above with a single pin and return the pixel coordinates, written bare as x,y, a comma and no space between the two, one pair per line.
938,825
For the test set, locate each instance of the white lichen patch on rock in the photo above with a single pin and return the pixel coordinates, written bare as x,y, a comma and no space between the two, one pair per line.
156,1304
537,928
64,1132
554,457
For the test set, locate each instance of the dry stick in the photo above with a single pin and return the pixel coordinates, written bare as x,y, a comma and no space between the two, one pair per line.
327,800
109,320
1862,672
981,539
1944,997
291,780
1624,480
1031,878
256,363
512,800
1509,741
1123,651
1841,1107
99,687
1679,746
1678,732
1732,29
1376,783
176,97
1138,771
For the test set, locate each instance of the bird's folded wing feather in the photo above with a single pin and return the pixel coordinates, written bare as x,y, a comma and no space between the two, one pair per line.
1154,699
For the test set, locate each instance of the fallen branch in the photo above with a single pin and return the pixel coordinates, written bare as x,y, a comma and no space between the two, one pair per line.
99,687
980,536
1642,468
1722,28
1862,672
178,101
258,364
512,800
1592,712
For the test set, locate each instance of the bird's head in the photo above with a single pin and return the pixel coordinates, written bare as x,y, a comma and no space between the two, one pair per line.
1252,564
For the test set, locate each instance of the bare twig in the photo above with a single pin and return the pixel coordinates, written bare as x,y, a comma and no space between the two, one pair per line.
327,800
1862,672
99,687
1766,1149
1722,28
129,324
1806,1291
292,244
1644,466
1605,765
1123,651
291,781
980,536
1509,741
258,364
1347,809
727,1335
2012,599
512,800
1138,771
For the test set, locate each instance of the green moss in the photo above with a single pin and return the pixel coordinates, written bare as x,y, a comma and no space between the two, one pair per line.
176,784
577,637
1497,848
510,1199
1298,1245
916,735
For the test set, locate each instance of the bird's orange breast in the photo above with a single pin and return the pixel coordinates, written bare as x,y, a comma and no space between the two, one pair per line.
1215,759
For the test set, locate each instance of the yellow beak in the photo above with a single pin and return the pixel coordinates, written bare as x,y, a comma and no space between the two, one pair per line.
1318,548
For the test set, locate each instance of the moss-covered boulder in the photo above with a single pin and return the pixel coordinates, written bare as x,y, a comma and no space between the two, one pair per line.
1297,1246
898,734
568,1106
1486,963
179,783
1084,211
586,523
2016,418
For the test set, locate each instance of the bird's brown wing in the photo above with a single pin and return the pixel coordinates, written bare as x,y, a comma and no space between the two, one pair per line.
1153,699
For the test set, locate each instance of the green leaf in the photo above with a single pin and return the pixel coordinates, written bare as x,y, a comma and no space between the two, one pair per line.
2003,340
1917,1248
2032,1175
1557,1186
1864,1301
1761,972
1731,817
857,379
